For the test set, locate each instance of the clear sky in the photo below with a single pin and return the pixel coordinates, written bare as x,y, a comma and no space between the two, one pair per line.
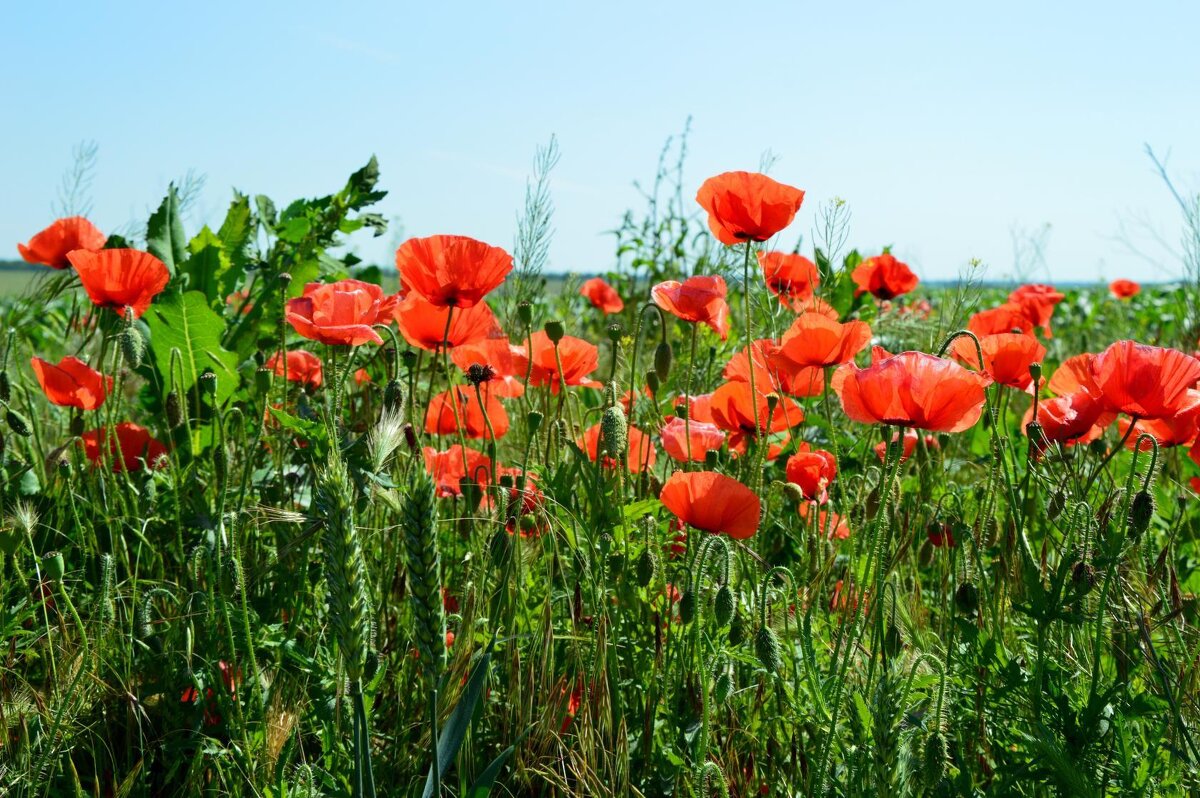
945,126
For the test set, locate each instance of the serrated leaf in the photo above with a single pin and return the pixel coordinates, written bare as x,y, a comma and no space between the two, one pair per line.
237,230
186,322
207,266
165,238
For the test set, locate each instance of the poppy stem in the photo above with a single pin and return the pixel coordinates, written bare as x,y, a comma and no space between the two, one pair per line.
750,339
1133,420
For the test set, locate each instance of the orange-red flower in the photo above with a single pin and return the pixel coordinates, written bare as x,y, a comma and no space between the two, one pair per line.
50,246
747,206
1177,430
578,357
771,376
1146,381
500,356
812,470
912,389
831,525
910,445
446,468
602,296
1009,317
341,313
883,277
712,502
129,446
302,366
814,304
733,410
120,278
452,271
1124,289
1078,417
439,416
72,383
1006,357
1074,375
640,457
789,277
817,341
699,406
700,300
1037,301
423,324
702,435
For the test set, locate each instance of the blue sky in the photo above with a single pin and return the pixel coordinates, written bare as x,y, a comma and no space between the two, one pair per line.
945,126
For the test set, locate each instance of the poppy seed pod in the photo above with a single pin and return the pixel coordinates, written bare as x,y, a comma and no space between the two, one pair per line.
615,331
534,421
766,647
554,330
208,383
262,380
525,314
663,356
614,432
710,459
53,565
1035,371
284,279
76,427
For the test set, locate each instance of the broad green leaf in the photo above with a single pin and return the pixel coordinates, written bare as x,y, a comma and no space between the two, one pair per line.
207,267
164,232
186,322
237,231
452,734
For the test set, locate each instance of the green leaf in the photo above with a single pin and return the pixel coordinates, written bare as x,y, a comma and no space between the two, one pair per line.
451,737
165,239
207,267
186,322
237,231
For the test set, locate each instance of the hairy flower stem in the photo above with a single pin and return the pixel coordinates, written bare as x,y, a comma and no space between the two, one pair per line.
758,430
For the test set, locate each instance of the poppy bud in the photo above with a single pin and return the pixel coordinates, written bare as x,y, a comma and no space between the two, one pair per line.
723,687
645,568
616,563
53,565
208,383
534,420
133,345
687,606
17,423
1058,501
614,432
737,629
766,646
681,411
615,331
723,606
525,313
5,389
220,464
174,410
262,380
1140,513
662,360
794,492
652,382
892,640
76,428
554,330
933,759
393,394
498,547
1083,577
966,598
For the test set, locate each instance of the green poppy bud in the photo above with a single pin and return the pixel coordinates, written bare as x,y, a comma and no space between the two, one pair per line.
662,360
766,646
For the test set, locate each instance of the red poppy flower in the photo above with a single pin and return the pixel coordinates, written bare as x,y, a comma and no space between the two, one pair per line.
1074,375
302,366
883,277
602,296
770,375
1177,430
423,324
789,277
912,389
703,437
697,299
578,357
1194,452
1037,302
439,417
1007,318
699,406
712,502
733,410
50,246
910,445
814,304
831,525
817,341
362,377
1006,357
128,447
1077,418
452,271
812,470
500,356
747,206
446,468
120,278
71,383
1146,381
341,313
640,457
1124,289
941,535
